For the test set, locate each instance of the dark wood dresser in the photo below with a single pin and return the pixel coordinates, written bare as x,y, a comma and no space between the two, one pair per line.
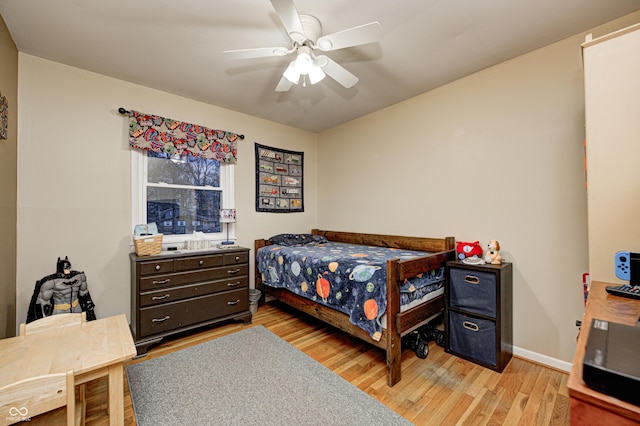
172,293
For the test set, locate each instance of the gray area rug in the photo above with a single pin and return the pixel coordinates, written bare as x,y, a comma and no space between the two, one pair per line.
251,377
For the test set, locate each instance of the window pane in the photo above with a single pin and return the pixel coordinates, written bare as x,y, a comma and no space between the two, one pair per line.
182,211
182,170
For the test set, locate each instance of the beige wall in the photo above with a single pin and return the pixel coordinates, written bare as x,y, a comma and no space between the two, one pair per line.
74,175
8,184
496,155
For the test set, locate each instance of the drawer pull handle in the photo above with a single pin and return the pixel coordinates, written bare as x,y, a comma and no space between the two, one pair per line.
233,302
160,319
470,326
161,297
237,258
200,263
162,281
471,279
233,284
233,271
157,267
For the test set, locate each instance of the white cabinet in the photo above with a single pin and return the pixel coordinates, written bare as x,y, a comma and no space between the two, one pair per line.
612,111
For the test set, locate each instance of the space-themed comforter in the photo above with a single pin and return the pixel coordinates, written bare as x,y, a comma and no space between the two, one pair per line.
347,277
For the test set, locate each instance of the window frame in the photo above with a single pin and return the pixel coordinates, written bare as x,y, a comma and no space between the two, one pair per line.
139,200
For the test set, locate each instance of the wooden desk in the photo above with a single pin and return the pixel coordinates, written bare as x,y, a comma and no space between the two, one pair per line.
589,407
92,349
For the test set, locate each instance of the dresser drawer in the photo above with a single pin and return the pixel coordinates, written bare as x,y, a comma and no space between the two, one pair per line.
173,294
473,337
178,279
473,291
172,316
198,262
236,258
159,267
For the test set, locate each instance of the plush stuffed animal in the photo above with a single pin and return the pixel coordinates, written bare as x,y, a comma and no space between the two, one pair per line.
466,249
493,255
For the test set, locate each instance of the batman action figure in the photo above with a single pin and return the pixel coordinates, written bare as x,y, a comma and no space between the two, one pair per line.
65,291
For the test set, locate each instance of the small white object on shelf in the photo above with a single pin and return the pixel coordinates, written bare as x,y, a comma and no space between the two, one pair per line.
227,246
473,261
227,216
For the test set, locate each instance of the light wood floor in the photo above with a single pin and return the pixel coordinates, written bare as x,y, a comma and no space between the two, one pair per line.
439,390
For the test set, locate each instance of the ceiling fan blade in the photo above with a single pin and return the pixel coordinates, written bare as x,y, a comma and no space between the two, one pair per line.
290,18
336,71
367,33
260,52
284,85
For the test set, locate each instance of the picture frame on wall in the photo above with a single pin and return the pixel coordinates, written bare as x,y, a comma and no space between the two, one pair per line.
279,180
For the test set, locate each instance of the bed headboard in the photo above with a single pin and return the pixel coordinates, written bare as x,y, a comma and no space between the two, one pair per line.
432,245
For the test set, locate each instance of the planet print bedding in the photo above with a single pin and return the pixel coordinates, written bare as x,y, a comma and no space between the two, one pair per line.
350,278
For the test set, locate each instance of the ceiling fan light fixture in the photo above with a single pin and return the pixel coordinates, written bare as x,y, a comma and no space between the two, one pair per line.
304,63
316,74
291,73
305,33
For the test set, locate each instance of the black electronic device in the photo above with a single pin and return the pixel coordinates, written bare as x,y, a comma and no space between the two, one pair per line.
611,362
627,267
625,290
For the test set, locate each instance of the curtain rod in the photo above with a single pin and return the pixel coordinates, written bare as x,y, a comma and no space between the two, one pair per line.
124,111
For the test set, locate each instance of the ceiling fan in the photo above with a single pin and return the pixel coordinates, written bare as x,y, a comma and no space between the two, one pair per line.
305,32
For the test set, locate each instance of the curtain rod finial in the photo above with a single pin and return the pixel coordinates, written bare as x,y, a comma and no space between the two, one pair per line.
123,111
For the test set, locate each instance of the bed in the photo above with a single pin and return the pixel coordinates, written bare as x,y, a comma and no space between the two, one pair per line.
317,285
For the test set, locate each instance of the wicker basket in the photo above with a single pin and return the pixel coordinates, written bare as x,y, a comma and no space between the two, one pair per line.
148,245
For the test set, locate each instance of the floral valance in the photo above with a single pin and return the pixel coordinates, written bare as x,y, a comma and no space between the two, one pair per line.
159,134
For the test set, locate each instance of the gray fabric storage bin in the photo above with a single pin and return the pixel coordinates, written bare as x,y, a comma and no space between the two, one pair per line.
473,291
472,337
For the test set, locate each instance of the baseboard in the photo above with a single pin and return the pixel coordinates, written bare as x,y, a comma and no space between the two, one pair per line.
542,359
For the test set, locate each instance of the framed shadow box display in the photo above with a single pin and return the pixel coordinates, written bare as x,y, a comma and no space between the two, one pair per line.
279,176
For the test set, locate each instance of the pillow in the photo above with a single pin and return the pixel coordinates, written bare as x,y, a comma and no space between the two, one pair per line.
297,240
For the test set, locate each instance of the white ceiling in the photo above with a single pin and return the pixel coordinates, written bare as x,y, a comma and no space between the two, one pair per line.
176,46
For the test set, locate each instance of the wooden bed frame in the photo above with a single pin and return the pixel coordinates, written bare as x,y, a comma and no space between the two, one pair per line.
398,323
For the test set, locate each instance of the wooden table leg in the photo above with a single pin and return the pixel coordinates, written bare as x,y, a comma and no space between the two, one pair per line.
83,403
116,394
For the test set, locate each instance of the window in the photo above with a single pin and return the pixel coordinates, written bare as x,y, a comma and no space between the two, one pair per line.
181,194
